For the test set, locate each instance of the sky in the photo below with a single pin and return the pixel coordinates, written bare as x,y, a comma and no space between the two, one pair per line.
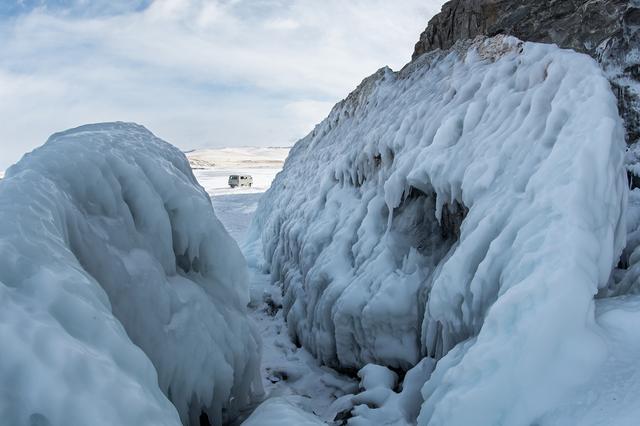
197,73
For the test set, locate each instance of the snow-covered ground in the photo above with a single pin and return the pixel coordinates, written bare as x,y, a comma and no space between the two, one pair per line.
213,167
611,397
235,206
288,372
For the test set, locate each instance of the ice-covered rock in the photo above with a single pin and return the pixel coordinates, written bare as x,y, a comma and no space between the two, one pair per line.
378,403
112,262
468,207
373,376
608,30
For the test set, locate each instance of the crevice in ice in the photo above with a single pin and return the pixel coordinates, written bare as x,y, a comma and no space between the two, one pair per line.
377,160
204,419
451,220
416,220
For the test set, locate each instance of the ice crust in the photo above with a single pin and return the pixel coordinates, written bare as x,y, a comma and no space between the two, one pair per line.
113,266
467,207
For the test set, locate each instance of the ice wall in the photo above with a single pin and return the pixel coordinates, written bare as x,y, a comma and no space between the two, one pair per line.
468,207
112,262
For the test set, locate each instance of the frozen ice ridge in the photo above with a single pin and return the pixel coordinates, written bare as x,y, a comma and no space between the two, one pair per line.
465,209
113,267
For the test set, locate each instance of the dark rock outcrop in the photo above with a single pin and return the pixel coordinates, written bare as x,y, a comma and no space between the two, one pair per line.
608,30
582,25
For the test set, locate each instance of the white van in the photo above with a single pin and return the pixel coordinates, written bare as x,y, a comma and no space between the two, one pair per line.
240,180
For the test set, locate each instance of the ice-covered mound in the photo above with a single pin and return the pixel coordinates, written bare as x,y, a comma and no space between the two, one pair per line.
470,206
107,244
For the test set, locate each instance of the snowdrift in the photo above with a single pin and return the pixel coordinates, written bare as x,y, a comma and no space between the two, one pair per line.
112,262
467,209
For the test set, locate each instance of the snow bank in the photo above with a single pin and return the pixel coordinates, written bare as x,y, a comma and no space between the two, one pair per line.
612,395
108,245
473,200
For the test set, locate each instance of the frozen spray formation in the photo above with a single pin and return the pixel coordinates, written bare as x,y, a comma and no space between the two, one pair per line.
466,208
108,246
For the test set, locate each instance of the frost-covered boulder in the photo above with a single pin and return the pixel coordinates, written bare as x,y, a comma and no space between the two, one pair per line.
466,208
112,262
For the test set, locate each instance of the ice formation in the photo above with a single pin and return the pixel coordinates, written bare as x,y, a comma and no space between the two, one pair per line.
466,209
112,262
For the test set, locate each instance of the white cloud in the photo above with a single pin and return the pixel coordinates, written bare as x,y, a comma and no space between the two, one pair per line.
196,72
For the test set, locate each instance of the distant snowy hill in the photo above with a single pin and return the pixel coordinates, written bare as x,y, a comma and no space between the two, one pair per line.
251,156
464,210
120,291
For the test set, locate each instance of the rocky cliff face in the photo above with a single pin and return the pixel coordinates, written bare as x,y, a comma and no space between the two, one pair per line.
605,29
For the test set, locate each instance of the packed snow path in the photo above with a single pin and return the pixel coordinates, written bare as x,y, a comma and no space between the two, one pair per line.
288,372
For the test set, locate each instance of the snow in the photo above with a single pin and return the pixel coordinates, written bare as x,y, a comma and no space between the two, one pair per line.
290,372
373,376
278,412
119,286
466,209
234,210
611,396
